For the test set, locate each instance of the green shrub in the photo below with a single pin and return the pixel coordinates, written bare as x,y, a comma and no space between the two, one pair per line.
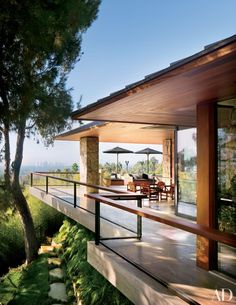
92,287
46,220
11,243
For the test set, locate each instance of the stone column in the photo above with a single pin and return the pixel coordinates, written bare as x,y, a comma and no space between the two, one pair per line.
206,182
89,167
167,161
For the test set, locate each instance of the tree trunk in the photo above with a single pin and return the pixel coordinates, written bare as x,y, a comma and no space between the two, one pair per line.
4,110
19,200
30,241
7,158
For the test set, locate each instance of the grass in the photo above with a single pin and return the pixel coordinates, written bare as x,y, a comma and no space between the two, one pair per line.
92,287
26,285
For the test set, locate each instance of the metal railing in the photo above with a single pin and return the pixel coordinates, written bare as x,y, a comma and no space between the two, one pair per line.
113,193
188,226
215,235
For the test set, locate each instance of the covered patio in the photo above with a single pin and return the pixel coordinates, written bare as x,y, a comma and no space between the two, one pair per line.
182,257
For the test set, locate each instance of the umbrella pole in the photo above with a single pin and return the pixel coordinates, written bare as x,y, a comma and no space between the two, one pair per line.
147,163
117,161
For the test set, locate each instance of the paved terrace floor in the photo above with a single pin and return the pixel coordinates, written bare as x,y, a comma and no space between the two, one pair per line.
165,252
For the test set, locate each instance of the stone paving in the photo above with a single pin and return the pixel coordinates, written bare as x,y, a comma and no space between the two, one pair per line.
57,288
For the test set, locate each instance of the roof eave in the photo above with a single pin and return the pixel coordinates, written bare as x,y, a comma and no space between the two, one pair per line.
142,83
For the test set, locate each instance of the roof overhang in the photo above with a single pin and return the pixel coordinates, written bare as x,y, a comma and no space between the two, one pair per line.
170,96
120,133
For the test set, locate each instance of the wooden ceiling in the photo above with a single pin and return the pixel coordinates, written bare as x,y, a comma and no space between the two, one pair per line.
170,96
121,133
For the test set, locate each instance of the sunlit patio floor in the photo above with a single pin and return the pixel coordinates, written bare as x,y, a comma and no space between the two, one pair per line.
167,253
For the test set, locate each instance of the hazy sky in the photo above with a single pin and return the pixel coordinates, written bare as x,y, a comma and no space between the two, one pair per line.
130,39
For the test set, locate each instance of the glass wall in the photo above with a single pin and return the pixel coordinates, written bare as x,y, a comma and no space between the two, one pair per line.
186,172
226,214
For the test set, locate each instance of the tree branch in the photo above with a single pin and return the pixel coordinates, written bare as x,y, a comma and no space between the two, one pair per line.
30,126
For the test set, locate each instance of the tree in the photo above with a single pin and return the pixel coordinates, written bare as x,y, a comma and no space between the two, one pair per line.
111,167
74,167
39,45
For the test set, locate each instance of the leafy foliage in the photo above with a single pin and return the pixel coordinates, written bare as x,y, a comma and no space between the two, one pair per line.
9,285
92,287
138,168
21,285
141,167
226,218
111,167
47,221
40,41
75,167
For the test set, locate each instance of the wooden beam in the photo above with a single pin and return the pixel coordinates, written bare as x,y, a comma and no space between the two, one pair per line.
206,182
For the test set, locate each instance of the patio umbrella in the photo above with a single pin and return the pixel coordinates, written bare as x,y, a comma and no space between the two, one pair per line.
148,151
118,150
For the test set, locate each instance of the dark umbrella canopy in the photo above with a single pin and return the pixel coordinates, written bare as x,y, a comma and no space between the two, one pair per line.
148,151
117,150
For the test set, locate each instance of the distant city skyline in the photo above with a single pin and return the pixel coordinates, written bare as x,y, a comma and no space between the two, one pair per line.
130,39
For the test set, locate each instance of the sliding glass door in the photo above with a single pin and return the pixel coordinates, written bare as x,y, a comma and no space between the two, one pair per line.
186,172
226,203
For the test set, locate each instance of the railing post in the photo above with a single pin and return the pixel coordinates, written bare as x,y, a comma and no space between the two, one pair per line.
31,179
139,220
97,222
74,195
46,184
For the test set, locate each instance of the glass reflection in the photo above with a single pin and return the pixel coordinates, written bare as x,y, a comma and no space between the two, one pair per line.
226,214
187,171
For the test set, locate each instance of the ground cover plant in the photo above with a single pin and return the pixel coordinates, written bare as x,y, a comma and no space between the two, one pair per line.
91,286
26,285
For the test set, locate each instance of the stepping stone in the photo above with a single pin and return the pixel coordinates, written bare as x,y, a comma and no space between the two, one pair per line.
46,249
56,245
58,292
52,254
54,261
57,272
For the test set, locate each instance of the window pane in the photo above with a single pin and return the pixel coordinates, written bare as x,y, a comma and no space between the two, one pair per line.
187,170
226,215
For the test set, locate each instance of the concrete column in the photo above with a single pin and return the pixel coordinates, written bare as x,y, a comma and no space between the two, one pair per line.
167,161
206,182
89,167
